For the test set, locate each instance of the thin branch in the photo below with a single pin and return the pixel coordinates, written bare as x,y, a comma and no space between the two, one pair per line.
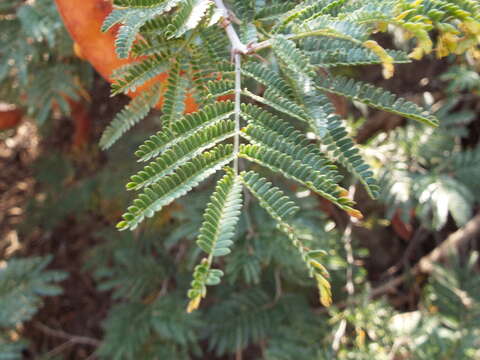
58,350
246,212
350,285
347,241
426,264
238,94
337,338
420,235
239,354
278,285
74,339
237,45
238,48
241,48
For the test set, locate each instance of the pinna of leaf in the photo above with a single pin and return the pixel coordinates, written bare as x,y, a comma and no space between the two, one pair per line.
183,37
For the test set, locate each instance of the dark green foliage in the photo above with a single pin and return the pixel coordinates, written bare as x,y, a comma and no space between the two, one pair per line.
281,208
295,170
184,129
23,283
38,69
135,111
170,187
132,19
155,311
375,97
215,236
20,302
181,153
161,328
134,75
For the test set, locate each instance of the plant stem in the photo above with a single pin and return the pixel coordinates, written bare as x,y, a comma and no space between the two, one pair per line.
238,48
237,45
347,242
238,93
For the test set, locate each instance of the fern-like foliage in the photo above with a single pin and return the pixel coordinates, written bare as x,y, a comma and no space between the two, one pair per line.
375,97
135,111
132,17
301,173
281,208
182,152
38,70
220,219
35,282
174,96
184,129
188,17
336,52
130,77
281,118
171,187
23,283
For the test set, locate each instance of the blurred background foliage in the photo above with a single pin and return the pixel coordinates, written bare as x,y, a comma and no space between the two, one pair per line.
38,69
71,287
